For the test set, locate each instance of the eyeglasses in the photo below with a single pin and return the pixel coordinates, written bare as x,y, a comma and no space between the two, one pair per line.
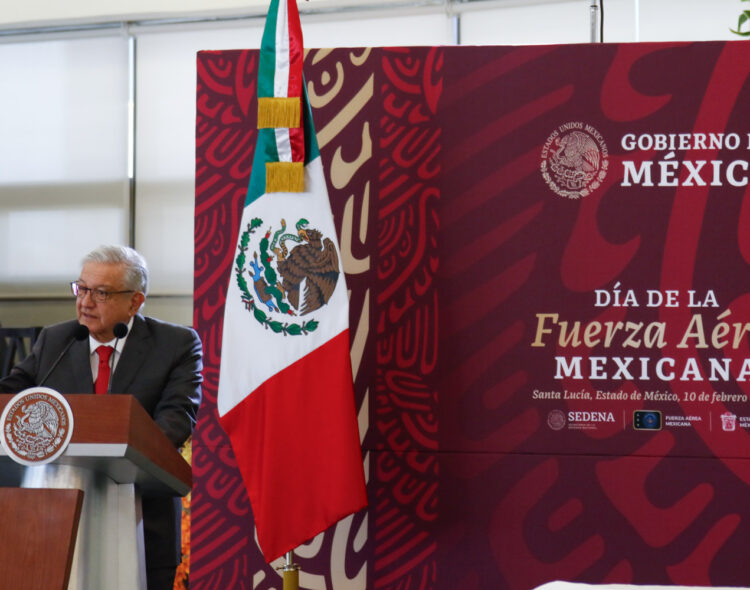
97,295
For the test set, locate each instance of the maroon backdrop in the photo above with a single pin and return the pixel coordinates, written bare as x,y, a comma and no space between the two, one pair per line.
489,200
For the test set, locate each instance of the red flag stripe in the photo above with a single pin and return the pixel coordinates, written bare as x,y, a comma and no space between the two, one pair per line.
275,431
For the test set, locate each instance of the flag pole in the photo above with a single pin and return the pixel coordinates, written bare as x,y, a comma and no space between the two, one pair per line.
596,20
290,572
287,156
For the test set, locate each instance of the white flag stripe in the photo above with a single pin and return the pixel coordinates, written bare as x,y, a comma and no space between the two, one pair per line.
264,353
283,144
281,75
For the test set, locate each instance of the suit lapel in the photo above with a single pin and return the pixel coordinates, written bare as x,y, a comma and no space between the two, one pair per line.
81,360
137,348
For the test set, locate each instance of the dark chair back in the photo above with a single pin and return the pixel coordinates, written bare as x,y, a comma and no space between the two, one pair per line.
15,344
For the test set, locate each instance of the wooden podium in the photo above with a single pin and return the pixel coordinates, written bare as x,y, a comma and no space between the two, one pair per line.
53,536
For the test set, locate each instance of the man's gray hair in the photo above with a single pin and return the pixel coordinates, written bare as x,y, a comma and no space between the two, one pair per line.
136,269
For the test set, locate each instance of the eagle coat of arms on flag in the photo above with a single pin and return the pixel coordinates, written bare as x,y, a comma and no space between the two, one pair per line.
284,274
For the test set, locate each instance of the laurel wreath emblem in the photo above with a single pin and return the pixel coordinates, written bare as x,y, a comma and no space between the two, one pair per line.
36,431
574,160
287,328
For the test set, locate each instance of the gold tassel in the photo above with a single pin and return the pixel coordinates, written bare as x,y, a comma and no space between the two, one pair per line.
285,177
279,112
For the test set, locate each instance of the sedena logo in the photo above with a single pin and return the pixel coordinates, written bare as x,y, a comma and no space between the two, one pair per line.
575,160
591,417
556,419
578,419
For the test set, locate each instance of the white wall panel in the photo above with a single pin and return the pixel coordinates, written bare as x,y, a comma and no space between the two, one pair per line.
378,31
63,178
165,148
536,24
689,20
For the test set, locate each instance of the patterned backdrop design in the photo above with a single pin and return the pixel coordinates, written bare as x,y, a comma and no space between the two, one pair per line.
404,490
342,90
502,237
568,488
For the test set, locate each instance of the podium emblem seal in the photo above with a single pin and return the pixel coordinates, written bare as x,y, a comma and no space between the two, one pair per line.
37,424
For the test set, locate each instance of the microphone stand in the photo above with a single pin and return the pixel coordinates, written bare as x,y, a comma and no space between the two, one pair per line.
120,330
81,332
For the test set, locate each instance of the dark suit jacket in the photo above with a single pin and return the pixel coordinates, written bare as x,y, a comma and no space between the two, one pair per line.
161,366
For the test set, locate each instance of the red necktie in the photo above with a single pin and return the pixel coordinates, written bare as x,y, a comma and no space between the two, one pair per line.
102,377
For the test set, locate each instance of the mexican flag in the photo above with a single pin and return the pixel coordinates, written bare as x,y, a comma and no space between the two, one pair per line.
285,394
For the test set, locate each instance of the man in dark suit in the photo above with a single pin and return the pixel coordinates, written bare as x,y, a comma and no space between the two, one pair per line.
159,363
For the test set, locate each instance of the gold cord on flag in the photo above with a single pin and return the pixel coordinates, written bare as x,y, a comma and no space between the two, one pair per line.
285,177
279,112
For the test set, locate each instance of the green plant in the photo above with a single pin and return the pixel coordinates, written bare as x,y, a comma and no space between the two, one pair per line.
744,18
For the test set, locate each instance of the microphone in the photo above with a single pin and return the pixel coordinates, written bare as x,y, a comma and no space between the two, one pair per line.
120,331
80,332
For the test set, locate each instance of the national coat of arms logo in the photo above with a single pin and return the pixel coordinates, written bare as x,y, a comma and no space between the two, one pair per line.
556,420
37,425
575,160
285,276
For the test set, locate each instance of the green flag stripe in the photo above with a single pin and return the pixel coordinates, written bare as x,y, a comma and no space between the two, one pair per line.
267,65
265,151
311,139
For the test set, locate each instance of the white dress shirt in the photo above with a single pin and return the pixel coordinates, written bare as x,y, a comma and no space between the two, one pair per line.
94,356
